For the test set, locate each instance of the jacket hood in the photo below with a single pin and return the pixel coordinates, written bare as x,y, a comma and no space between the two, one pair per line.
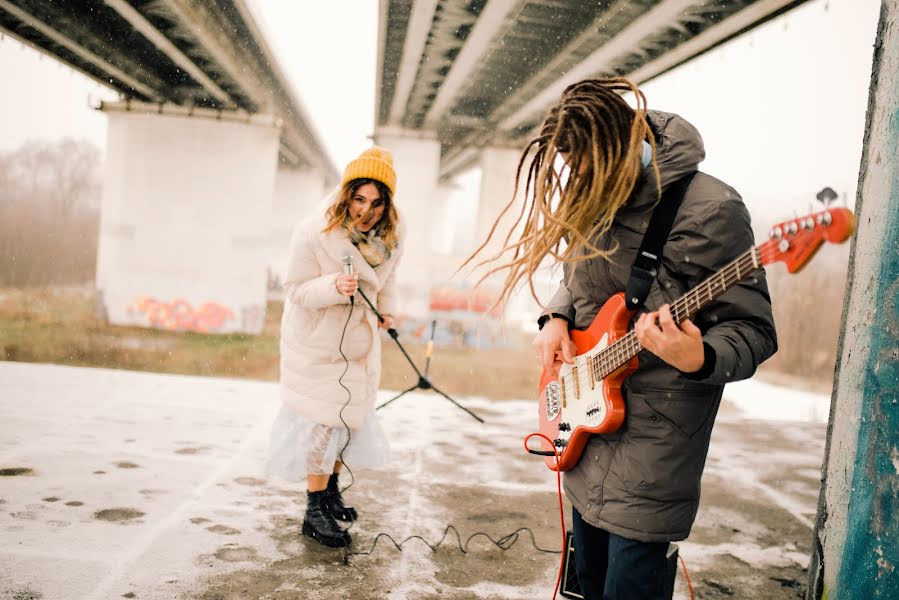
679,150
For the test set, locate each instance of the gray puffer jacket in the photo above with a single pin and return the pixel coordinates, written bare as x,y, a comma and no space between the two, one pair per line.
643,481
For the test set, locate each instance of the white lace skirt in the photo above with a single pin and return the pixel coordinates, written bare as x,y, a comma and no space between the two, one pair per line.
300,447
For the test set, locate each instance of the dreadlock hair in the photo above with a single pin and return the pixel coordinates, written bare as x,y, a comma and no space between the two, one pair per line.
600,137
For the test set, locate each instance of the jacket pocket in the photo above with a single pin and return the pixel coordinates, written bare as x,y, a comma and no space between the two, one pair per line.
665,443
685,412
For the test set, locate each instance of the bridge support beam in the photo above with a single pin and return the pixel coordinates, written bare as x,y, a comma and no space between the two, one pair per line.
186,220
498,167
856,551
298,192
421,202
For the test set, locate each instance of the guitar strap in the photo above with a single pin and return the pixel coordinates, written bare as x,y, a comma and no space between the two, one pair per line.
649,256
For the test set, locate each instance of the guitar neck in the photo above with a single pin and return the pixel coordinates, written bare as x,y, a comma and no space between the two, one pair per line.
613,357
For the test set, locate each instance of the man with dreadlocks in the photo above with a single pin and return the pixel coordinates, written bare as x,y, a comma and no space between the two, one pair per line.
637,489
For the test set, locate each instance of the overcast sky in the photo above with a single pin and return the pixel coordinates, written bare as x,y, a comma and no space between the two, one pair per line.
781,109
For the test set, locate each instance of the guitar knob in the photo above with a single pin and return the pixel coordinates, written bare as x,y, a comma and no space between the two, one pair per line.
564,427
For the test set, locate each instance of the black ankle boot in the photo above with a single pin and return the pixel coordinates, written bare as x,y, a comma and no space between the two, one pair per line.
319,523
335,502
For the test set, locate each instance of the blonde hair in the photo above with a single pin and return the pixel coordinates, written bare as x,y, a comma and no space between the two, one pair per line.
601,137
338,214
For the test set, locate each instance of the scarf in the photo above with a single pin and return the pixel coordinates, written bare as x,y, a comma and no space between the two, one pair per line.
371,245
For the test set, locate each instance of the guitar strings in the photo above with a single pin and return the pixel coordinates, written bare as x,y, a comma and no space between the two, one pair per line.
614,356
617,354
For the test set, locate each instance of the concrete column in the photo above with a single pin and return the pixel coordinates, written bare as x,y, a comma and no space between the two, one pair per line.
186,221
856,553
297,193
416,158
499,167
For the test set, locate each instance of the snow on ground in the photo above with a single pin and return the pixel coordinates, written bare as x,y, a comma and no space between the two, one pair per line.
151,485
759,400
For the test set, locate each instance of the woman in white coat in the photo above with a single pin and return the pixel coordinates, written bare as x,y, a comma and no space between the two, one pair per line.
330,347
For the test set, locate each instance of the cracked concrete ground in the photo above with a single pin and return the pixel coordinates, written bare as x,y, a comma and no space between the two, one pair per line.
117,484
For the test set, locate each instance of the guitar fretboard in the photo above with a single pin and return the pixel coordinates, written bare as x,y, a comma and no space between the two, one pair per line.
616,355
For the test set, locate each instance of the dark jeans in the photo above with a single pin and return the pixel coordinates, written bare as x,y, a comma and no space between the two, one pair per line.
610,567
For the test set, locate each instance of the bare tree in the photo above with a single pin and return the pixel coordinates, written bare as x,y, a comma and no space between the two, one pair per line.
807,311
49,213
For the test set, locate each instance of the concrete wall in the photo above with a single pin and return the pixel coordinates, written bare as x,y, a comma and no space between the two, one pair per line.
421,204
856,553
297,193
186,222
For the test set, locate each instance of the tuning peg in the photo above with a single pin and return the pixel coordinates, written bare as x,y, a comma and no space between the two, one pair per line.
826,196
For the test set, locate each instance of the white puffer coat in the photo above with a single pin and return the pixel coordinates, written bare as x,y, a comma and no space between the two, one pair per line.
314,318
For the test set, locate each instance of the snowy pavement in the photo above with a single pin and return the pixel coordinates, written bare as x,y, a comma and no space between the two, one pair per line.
123,484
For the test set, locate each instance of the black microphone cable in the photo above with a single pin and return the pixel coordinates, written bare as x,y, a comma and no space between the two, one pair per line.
504,543
346,425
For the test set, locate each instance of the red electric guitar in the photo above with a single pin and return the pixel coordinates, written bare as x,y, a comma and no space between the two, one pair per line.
585,398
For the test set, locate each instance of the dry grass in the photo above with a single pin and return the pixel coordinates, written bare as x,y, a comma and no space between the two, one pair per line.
58,325
498,373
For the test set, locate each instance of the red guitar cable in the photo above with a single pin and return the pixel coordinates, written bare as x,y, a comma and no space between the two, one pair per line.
562,518
687,575
561,510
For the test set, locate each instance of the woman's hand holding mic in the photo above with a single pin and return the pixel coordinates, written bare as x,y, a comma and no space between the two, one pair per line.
347,284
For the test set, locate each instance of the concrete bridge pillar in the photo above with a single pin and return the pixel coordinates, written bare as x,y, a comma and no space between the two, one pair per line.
498,167
498,170
186,219
421,203
856,551
297,192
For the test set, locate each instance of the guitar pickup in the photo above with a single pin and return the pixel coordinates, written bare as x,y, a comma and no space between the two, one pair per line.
577,383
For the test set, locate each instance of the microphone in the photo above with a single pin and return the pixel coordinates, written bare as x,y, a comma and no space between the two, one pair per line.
348,270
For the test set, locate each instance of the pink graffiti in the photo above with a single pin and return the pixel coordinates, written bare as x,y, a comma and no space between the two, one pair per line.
465,299
179,315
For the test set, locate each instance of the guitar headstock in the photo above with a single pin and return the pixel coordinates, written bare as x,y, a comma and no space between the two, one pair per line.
794,242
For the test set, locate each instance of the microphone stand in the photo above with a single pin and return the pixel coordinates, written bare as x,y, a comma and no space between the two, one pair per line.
423,381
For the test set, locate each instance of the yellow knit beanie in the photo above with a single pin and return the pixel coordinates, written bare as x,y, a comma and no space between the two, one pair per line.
375,163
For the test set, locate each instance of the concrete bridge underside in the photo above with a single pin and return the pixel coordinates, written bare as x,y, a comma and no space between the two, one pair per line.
464,83
211,156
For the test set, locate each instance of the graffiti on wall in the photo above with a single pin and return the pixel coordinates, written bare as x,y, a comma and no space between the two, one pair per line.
180,315
463,316
465,302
